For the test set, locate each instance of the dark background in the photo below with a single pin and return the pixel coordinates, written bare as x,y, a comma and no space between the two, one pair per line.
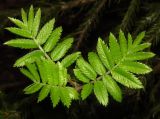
85,20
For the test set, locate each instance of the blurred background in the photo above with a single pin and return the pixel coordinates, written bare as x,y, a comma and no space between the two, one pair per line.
85,20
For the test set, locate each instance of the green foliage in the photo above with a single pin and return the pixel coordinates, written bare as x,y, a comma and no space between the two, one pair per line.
70,59
53,39
96,63
61,49
86,90
47,66
101,92
22,43
86,69
116,62
52,83
112,88
45,32
29,58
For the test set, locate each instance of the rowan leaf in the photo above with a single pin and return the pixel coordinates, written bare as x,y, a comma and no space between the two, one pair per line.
86,69
21,43
55,95
100,92
135,67
86,90
30,18
17,22
96,63
123,43
70,59
33,69
104,54
61,49
126,78
20,32
53,39
112,88
27,74
65,96
44,93
24,16
139,56
33,88
114,48
36,23
29,58
81,76
45,32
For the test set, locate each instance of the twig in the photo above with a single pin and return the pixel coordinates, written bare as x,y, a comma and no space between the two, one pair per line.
90,22
75,3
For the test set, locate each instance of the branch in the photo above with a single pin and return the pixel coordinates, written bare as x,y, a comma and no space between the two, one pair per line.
63,6
76,3
87,25
130,15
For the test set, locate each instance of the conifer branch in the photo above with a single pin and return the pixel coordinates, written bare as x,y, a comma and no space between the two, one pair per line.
147,22
130,15
90,22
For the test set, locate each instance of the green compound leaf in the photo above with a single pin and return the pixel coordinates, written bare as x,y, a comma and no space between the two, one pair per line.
86,69
96,63
53,39
45,32
121,59
86,90
29,58
70,59
112,88
126,78
21,43
100,92
61,49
